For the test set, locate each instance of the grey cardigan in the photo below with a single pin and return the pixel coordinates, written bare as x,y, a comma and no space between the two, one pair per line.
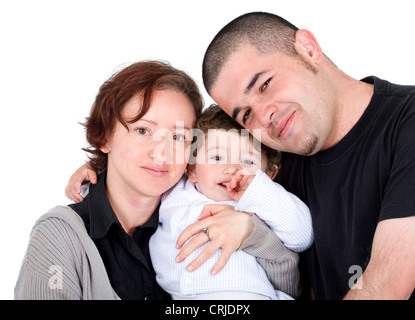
62,261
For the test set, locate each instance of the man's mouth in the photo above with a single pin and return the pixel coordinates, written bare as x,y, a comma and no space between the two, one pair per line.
283,128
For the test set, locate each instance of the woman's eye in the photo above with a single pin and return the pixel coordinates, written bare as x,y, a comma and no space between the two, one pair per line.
178,137
142,131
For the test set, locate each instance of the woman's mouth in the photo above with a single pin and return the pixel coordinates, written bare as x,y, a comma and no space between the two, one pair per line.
155,171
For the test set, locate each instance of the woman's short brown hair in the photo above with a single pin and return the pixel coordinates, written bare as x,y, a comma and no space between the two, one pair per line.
139,78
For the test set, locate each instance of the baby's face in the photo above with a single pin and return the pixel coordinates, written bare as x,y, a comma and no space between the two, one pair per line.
221,155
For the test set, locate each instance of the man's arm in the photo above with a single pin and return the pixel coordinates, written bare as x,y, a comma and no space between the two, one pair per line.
280,263
390,273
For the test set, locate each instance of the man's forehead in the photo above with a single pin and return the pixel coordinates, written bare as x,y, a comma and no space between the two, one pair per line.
237,77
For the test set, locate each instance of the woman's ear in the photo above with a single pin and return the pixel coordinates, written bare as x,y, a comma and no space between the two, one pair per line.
105,148
272,173
191,172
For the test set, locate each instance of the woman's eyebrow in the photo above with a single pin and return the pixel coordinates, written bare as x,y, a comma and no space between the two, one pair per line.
149,121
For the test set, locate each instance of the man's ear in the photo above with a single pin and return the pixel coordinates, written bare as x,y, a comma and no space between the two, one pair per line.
191,172
273,172
307,46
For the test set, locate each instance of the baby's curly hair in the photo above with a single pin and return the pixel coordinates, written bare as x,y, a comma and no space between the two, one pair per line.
214,117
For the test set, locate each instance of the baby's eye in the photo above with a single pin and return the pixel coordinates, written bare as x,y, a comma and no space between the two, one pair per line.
247,162
216,158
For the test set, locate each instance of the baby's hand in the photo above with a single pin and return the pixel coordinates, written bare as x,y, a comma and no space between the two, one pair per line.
73,189
239,184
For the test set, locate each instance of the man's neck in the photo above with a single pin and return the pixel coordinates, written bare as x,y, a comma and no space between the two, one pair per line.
353,98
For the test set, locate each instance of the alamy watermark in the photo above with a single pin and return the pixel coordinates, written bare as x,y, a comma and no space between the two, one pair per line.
356,280
170,149
56,279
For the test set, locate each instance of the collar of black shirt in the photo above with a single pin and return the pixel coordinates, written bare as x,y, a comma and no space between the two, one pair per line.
101,215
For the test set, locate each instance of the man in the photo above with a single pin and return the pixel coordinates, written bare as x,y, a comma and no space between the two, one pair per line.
348,150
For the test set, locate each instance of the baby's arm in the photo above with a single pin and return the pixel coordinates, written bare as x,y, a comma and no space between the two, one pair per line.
285,213
82,174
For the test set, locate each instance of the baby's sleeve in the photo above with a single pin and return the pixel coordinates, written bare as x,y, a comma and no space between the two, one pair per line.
285,213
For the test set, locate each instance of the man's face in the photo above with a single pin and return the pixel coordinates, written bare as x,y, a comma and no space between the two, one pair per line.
286,97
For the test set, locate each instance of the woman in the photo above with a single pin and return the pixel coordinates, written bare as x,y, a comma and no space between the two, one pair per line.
98,249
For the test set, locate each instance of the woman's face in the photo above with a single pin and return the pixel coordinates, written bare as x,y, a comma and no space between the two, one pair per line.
151,156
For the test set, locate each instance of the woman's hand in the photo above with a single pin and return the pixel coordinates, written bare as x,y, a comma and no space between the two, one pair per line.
83,173
227,230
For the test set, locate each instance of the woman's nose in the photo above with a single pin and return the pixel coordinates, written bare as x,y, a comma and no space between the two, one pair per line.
159,151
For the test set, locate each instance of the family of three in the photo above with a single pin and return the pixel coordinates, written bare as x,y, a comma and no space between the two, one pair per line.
226,220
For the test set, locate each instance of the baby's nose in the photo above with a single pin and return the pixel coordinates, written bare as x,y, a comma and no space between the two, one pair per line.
231,169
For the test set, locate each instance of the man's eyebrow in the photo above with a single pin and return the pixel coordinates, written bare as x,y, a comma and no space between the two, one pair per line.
248,88
253,81
235,113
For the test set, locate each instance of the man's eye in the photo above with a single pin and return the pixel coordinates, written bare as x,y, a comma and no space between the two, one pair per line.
265,85
246,116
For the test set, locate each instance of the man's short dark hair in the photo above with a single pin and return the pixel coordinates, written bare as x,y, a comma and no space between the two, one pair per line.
266,32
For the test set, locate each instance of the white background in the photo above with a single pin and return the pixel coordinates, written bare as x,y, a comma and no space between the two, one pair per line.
54,55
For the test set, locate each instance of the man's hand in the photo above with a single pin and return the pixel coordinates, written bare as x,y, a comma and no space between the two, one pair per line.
228,229
83,173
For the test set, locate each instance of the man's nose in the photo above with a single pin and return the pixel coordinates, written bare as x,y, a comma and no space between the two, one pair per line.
265,112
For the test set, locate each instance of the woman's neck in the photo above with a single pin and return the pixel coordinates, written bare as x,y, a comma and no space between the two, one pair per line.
132,209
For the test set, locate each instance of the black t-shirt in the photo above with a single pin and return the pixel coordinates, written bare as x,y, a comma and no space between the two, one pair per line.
126,259
369,176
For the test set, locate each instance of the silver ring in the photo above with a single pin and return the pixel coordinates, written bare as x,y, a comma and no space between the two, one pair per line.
206,232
